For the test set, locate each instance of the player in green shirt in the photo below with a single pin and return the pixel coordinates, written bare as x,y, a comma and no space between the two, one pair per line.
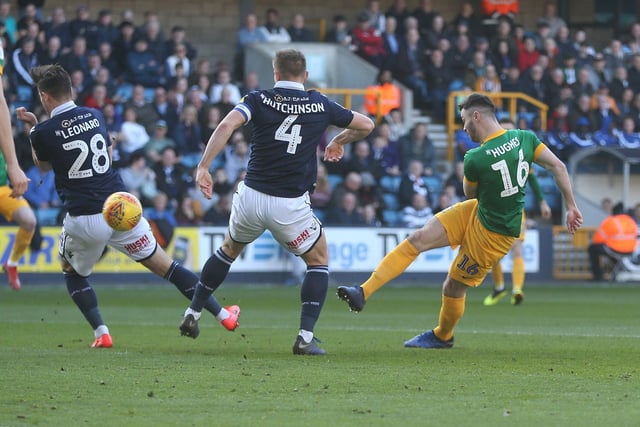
484,226
517,273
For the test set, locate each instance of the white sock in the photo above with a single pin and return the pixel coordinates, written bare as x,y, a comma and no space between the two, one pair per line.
223,315
196,314
12,263
307,336
101,330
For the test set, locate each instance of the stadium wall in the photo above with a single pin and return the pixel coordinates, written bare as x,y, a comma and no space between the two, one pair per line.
354,253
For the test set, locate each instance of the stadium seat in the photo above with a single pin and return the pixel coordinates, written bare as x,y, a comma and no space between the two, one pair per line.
391,218
334,180
391,201
434,183
390,184
47,216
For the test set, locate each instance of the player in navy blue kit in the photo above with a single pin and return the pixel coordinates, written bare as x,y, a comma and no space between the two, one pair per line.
75,143
288,123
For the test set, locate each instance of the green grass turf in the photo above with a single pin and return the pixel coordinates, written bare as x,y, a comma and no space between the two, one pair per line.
569,356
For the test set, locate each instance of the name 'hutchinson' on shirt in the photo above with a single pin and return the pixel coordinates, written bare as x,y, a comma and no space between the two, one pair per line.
314,107
78,128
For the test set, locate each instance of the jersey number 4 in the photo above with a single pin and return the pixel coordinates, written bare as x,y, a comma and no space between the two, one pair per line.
97,148
292,137
522,172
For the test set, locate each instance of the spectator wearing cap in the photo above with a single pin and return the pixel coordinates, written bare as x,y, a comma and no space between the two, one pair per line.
158,142
542,32
123,44
105,30
82,23
272,30
339,33
179,36
143,67
600,74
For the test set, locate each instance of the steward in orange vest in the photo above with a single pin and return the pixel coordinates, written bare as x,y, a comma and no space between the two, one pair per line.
618,232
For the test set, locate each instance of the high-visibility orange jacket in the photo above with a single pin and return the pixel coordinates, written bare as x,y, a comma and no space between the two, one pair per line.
500,7
389,98
618,232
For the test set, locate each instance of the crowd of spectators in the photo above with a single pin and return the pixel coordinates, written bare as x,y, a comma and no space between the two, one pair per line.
162,101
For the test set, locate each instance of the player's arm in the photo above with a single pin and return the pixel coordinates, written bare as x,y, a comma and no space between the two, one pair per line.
545,210
469,181
30,120
17,177
549,161
232,121
358,129
470,188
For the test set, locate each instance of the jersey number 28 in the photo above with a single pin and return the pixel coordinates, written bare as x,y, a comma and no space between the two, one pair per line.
99,156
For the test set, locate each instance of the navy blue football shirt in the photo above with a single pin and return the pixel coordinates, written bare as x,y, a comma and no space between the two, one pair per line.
288,123
75,141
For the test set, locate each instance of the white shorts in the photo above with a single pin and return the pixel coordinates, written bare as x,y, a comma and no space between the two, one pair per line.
290,220
83,239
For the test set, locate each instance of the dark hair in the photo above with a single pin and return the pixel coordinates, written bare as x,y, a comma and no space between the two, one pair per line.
618,209
506,121
53,80
290,63
475,100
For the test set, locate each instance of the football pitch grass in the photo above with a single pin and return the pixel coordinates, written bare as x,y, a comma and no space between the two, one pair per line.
569,356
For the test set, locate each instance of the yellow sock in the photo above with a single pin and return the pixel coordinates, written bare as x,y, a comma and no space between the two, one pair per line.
451,311
394,263
518,274
23,238
497,276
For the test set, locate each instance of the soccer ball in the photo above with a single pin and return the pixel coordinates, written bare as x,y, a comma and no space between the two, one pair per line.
122,211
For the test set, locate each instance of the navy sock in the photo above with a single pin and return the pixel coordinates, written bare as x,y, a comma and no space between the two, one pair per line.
85,298
312,295
186,281
215,270
213,274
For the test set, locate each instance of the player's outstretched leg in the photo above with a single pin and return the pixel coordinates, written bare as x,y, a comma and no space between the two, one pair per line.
213,274
85,298
186,282
352,295
312,297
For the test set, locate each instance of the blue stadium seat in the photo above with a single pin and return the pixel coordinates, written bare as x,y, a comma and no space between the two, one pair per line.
434,182
390,184
334,180
391,201
391,218
47,216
